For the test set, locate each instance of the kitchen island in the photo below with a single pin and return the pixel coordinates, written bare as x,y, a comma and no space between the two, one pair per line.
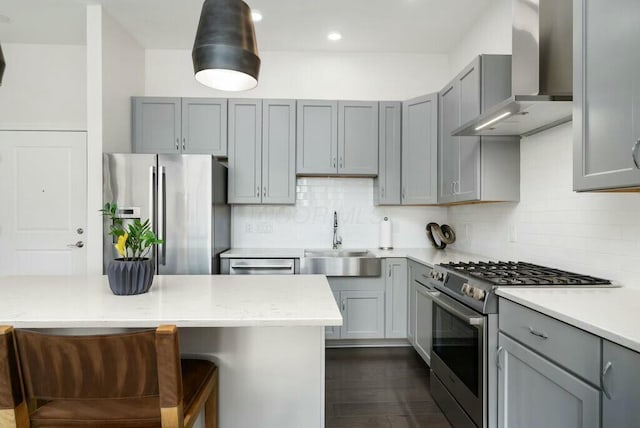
265,333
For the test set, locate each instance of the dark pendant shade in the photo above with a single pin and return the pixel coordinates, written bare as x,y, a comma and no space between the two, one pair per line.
225,53
2,65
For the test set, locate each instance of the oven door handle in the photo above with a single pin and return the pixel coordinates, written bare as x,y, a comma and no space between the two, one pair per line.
457,309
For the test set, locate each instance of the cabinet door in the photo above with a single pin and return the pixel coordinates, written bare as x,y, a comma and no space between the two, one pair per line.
411,327
156,125
317,137
333,332
278,152
606,116
468,186
387,184
245,147
204,126
358,138
448,145
396,299
363,314
622,383
533,392
424,322
420,150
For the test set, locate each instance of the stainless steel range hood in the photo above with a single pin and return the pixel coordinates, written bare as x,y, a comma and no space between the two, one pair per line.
541,73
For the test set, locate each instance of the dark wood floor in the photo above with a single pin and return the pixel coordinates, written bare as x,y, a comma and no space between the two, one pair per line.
379,387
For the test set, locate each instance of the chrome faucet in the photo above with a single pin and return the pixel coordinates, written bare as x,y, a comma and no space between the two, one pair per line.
336,240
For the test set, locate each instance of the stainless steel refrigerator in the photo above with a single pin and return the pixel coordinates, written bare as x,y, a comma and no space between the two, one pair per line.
185,198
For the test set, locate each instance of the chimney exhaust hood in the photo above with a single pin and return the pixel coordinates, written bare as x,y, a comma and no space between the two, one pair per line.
541,73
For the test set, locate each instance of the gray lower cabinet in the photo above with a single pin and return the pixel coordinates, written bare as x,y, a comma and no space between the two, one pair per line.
261,151
606,88
476,168
396,298
387,185
534,392
621,386
337,138
424,321
420,150
363,314
179,125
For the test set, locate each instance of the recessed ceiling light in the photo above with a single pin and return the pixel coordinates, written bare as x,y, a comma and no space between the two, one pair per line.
256,15
334,36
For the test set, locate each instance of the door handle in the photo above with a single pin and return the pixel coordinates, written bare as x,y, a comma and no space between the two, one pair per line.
264,191
334,162
634,153
78,244
603,375
184,144
162,214
258,191
500,349
341,163
177,143
537,333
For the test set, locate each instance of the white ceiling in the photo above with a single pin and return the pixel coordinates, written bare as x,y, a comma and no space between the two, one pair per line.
417,26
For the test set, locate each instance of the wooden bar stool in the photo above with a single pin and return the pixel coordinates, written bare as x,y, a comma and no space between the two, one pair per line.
131,380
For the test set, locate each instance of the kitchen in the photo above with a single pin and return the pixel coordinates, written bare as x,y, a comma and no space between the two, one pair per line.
593,233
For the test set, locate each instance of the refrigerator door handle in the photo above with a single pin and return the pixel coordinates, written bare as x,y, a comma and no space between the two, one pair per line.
162,216
153,219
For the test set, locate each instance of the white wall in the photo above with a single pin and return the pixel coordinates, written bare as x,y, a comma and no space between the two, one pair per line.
44,87
123,61
358,76
491,34
309,224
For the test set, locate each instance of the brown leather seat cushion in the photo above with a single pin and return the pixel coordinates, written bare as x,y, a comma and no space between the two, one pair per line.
125,412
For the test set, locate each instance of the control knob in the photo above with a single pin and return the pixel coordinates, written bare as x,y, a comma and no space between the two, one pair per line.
478,294
466,289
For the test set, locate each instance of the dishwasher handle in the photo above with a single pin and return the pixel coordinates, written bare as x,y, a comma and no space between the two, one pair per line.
262,267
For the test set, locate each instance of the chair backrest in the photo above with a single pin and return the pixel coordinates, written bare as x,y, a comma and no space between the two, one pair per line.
10,390
102,366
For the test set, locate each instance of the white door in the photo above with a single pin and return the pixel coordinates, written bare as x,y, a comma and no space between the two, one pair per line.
43,203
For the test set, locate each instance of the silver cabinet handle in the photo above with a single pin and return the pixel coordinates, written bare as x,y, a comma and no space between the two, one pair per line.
344,305
456,187
382,191
264,191
634,154
258,191
341,163
453,187
334,162
184,144
537,333
500,349
603,375
404,193
162,214
177,143
78,244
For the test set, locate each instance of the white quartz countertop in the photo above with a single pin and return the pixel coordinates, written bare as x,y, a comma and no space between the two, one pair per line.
611,313
187,301
428,256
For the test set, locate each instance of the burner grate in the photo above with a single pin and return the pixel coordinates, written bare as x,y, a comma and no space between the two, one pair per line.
521,273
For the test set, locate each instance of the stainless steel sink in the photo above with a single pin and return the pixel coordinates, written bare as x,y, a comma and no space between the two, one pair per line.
340,263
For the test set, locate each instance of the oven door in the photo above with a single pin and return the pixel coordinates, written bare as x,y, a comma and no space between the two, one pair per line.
458,354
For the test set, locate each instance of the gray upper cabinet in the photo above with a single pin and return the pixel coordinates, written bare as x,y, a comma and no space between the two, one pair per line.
387,185
245,151
420,150
262,151
606,88
179,125
156,125
278,152
317,137
204,126
621,386
534,392
476,168
337,138
358,137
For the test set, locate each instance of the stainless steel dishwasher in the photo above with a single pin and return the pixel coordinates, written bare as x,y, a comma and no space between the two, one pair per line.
260,266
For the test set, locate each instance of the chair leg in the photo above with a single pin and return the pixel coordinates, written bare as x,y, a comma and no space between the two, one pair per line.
211,406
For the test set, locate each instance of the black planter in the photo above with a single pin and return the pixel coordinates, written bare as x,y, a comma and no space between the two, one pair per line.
129,277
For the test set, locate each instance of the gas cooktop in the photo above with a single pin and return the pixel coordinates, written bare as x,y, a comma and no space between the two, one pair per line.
522,274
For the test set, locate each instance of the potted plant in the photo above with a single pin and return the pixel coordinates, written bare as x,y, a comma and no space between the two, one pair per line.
131,273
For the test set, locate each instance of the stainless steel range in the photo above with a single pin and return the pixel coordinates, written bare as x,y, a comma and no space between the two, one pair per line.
465,331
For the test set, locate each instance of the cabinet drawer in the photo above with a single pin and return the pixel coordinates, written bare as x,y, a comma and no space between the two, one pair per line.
420,274
572,348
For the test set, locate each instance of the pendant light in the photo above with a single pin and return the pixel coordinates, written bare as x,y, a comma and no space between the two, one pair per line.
2,65
225,53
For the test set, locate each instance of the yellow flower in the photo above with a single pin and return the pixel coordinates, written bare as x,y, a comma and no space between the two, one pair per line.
120,246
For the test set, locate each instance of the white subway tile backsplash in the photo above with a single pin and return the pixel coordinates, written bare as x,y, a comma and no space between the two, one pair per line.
310,222
592,233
